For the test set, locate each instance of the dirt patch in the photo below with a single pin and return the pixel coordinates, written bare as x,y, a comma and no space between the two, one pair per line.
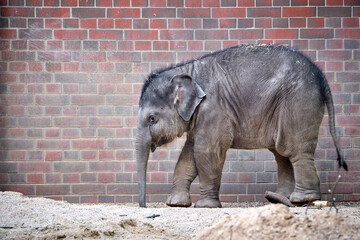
276,222
39,218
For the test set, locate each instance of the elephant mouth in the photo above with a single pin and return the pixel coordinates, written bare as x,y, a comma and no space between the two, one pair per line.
153,147
159,143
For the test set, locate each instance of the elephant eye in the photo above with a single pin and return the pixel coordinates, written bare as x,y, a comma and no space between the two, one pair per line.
152,120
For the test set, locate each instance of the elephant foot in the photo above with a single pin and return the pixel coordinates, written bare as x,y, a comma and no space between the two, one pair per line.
299,197
180,199
275,197
208,203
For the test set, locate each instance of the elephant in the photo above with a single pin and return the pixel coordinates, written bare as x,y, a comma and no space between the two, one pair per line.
250,96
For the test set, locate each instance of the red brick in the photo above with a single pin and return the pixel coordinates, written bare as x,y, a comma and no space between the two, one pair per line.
141,35
334,44
70,34
334,55
175,3
87,99
264,12
193,23
54,45
7,34
70,23
104,3
17,12
316,22
51,3
176,35
299,11
157,3
105,121
106,34
229,12
35,178
123,13
53,88
106,67
157,23
31,167
195,45
334,11
160,45
246,34
316,33
139,3
348,120
106,155
52,133
52,100
333,66
70,133
16,155
17,66
106,23
70,122
159,56
88,23
123,23
52,189
71,178
89,56
69,3
211,34
142,45
88,12
158,12
53,12
53,67
159,177
53,156
17,88
15,133
347,76
193,12
350,22
88,144
263,23
71,67
178,45
107,45
175,23
281,33
122,56
347,33
106,177
227,23
18,56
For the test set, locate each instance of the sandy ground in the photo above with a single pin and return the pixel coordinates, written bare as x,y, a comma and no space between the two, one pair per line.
39,218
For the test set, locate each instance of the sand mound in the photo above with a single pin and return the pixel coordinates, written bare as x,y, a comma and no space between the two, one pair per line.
276,222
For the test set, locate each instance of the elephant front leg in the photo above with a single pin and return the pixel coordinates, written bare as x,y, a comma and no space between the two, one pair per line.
184,174
209,164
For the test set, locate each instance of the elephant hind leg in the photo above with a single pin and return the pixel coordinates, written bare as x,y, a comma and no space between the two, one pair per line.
286,178
307,183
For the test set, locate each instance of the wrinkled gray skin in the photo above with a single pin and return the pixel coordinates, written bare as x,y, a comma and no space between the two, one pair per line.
244,97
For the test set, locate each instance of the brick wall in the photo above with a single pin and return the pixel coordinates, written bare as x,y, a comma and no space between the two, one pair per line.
71,72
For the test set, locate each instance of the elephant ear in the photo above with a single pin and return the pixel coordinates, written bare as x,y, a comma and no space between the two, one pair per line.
188,95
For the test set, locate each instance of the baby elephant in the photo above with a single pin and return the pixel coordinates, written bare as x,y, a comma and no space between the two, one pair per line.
243,97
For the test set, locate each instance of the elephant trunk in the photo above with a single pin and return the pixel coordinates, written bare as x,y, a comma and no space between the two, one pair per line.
142,156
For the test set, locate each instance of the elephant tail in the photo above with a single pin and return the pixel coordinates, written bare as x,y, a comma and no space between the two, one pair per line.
331,112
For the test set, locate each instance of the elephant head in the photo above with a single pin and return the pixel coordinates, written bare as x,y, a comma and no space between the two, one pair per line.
167,103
